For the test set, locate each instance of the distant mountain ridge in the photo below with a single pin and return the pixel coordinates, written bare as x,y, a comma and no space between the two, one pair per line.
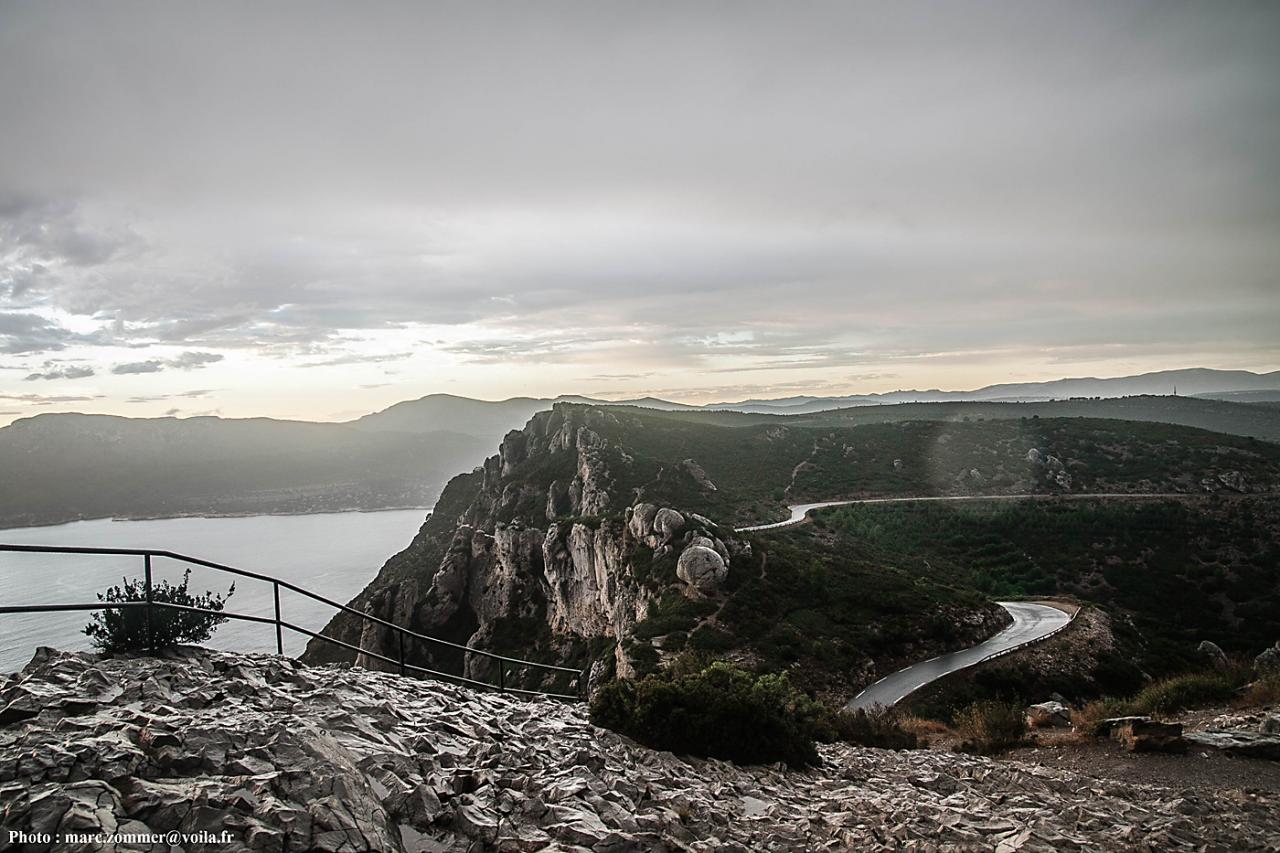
62,467
1196,381
65,467
447,411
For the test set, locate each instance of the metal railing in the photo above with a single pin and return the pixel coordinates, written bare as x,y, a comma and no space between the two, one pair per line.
576,683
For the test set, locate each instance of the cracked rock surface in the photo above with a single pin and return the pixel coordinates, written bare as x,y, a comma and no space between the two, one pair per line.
290,757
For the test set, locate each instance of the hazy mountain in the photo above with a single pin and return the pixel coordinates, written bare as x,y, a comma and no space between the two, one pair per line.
493,419
59,467
1199,381
486,419
1243,396
62,467
1253,420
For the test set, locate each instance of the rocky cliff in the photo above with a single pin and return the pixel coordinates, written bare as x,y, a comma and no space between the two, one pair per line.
552,554
280,756
603,536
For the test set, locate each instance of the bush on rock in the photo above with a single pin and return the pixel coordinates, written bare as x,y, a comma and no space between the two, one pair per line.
716,711
126,629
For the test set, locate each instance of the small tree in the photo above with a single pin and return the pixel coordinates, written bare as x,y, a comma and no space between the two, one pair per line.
125,629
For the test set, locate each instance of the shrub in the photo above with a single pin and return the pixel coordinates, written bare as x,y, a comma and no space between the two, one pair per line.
989,727
922,727
1264,691
1193,690
882,728
717,711
711,639
126,629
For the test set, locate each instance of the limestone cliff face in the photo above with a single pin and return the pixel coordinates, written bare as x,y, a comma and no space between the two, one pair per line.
551,557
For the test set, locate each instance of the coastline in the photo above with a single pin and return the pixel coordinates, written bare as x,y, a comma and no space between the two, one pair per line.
6,526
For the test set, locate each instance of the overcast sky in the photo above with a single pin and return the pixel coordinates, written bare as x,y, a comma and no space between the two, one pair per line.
314,210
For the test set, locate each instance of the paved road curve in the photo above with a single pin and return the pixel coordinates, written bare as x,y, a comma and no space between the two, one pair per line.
799,512
1030,623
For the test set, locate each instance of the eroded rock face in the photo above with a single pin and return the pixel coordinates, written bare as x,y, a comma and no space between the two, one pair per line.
336,759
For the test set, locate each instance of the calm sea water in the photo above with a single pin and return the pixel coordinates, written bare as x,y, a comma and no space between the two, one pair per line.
332,554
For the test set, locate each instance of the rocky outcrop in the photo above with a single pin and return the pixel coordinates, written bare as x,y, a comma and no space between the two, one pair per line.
701,567
284,756
545,559
1051,714
510,562
1267,663
1213,653
699,475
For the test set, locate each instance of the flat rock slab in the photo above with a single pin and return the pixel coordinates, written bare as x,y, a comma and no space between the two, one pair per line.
1245,744
352,760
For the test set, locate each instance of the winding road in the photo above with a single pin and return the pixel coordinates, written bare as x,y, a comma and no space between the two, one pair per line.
1031,622
800,512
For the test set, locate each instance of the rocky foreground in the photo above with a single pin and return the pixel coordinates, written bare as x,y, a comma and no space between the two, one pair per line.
288,757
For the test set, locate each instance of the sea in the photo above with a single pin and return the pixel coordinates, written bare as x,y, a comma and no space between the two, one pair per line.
332,554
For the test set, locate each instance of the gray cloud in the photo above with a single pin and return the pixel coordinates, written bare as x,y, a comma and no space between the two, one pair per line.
157,398
195,360
354,358
53,370
859,183
137,367
49,400
185,361
30,333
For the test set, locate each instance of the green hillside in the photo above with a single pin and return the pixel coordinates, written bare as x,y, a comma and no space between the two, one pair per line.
738,469
1233,418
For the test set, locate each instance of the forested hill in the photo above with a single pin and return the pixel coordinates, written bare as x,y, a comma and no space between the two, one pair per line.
1252,420
745,468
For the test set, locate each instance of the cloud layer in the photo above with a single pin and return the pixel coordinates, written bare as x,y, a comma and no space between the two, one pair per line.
635,197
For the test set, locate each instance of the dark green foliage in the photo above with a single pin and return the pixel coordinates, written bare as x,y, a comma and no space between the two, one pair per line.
644,657
830,603
126,629
756,461
672,612
716,711
1180,571
709,638
1192,690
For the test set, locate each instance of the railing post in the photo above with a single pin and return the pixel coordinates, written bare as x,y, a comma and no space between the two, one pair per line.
275,589
400,634
146,583
502,675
